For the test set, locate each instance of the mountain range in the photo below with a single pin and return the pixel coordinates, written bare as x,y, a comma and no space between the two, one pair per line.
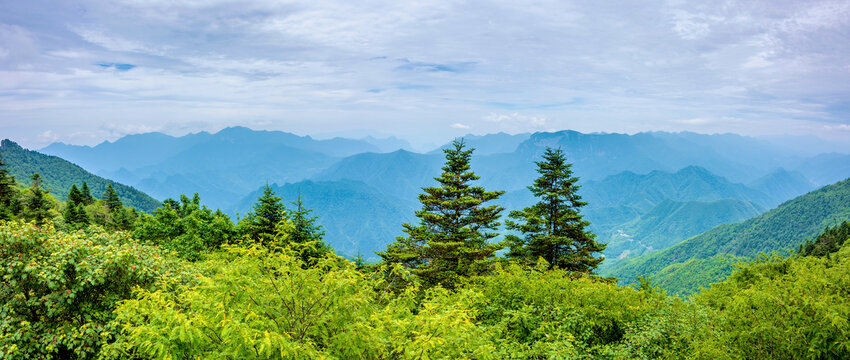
646,191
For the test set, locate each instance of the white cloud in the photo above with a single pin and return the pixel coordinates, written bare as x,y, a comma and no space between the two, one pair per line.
460,126
515,118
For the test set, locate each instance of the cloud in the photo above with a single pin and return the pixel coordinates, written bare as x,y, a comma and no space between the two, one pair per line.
516,118
460,126
116,66
309,66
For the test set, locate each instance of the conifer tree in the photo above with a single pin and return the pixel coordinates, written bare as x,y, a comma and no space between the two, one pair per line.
75,212
111,199
37,204
304,226
261,224
9,202
86,194
452,238
305,235
553,229
75,195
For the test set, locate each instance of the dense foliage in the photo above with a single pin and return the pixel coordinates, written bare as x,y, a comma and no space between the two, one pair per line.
187,228
59,289
784,308
827,242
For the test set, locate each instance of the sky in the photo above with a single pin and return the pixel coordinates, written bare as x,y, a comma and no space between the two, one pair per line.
86,71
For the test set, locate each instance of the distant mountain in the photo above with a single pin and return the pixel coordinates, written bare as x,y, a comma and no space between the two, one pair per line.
388,144
137,151
358,218
782,185
222,167
644,192
128,152
401,174
596,156
58,175
784,227
489,144
826,168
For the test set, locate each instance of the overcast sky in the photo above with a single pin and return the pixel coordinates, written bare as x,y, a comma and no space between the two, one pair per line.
86,71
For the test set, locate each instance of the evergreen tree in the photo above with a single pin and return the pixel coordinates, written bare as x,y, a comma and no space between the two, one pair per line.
9,203
111,199
75,195
37,204
553,229
262,223
305,235
86,194
75,213
305,228
451,240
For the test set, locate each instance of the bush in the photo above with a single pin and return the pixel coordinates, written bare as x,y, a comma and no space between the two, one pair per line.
59,289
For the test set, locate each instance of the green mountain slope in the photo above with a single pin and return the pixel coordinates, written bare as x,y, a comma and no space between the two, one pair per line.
670,222
784,227
58,176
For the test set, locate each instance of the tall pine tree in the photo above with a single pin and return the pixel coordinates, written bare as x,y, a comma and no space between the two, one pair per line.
86,194
452,239
37,203
75,211
111,199
305,235
262,224
553,229
9,202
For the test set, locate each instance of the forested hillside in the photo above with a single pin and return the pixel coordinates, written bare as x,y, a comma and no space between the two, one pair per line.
783,228
58,175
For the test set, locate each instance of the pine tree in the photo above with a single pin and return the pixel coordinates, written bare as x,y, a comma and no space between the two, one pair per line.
75,212
452,238
305,228
305,235
9,202
86,194
111,199
37,204
553,229
262,223
75,195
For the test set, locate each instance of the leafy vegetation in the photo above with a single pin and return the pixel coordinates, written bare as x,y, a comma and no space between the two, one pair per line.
59,289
